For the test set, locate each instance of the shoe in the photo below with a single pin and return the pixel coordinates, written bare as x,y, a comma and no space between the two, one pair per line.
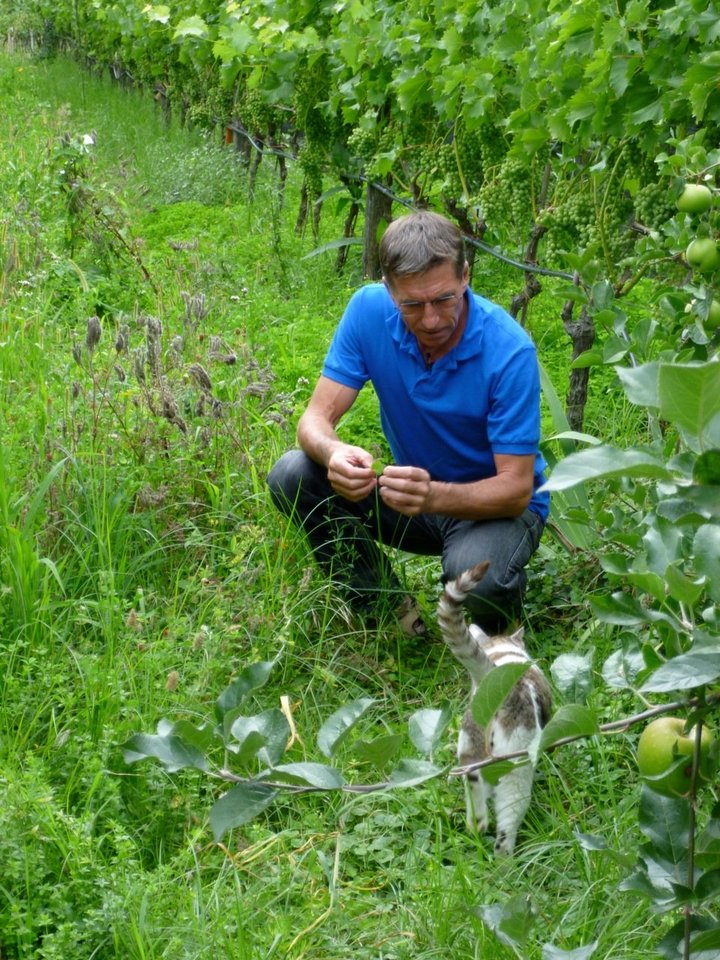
409,619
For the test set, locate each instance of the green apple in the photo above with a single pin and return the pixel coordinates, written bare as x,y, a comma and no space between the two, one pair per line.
702,254
695,198
665,755
713,317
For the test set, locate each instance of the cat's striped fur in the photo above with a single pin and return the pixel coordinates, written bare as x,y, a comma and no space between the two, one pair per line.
525,711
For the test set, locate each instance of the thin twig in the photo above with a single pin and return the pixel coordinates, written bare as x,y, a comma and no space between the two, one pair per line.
614,726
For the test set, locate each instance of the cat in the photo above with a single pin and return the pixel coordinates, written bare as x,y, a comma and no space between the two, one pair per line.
524,712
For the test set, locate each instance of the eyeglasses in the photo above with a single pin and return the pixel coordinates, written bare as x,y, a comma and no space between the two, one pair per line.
416,308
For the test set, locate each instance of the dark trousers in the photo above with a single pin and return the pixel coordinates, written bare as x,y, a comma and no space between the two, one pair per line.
347,540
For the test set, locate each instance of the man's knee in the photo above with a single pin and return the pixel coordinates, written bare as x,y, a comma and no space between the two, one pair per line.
497,599
494,604
285,479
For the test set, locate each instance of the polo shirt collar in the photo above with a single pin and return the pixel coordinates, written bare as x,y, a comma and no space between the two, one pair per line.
469,346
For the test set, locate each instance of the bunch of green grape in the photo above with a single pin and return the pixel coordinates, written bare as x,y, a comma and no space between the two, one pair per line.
447,174
362,144
480,152
386,145
654,204
493,147
581,217
506,200
311,158
468,147
311,85
214,106
255,113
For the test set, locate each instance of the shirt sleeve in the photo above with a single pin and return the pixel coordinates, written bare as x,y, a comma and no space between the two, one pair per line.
345,361
514,415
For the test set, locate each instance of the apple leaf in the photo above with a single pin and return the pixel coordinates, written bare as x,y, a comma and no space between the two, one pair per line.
251,678
550,952
380,751
622,668
707,556
704,939
265,735
689,396
572,720
239,805
426,728
641,384
686,394
681,587
312,774
684,672
706,470
494,772
172,751
708,886
572,674
493,689
510,921
336,728
603,462
707,854
409,773
625,611
665,821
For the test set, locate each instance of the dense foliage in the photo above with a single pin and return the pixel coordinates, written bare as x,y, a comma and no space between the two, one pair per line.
560,136
536,126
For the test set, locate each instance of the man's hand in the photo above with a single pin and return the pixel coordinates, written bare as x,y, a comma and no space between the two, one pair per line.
350,472
406,489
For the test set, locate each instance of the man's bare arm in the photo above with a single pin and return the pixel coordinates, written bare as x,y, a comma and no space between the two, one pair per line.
410,490
349,467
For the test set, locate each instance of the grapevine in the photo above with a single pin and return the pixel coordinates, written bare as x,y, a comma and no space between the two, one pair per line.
654,204
311,158
506,201
478,152
362,144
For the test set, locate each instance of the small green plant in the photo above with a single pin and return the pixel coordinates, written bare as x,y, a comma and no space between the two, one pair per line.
95,216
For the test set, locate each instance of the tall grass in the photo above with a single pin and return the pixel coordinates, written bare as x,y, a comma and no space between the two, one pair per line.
143,566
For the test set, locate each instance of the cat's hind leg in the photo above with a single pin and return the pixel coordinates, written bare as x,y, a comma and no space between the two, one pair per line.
471,749
477,794
512,799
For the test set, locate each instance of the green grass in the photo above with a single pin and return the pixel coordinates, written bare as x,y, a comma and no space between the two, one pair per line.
144,572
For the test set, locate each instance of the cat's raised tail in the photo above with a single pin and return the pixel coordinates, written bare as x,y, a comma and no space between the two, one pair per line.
465,644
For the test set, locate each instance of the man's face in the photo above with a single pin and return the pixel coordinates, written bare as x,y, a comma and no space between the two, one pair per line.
432,305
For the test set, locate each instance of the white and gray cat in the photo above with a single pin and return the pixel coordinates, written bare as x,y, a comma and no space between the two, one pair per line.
525,711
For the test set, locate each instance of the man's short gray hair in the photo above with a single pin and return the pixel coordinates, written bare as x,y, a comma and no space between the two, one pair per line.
417,242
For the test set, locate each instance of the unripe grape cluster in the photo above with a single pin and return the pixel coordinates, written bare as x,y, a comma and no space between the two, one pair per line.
479,154
447,171
257,115
567,224
386,142
214,104
506,201
311,158
653,201
311,84
362,144
654,204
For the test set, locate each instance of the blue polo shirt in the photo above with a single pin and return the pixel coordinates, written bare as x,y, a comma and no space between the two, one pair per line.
481,398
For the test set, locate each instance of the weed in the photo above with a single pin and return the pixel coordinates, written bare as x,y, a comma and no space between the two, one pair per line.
143,568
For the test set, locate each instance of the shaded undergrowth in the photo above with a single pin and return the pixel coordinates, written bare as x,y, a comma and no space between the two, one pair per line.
158,334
